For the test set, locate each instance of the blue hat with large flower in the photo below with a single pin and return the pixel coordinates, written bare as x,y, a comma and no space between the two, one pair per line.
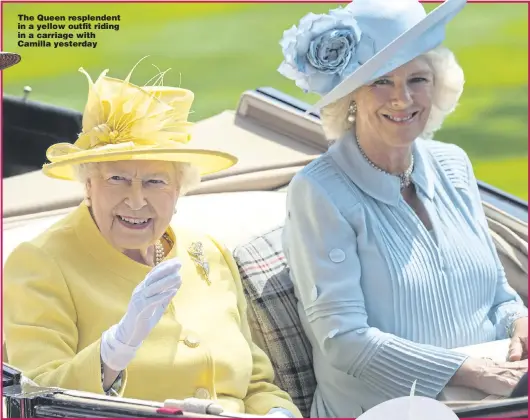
334,54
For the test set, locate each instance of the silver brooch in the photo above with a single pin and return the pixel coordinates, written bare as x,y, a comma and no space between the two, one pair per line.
197,255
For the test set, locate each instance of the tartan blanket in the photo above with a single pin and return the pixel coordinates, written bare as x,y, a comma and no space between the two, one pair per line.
273,316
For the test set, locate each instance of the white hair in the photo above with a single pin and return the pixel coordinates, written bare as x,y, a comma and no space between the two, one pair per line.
448,86
187,175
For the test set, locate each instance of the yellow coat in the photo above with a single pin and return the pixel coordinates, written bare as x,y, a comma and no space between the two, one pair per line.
67,286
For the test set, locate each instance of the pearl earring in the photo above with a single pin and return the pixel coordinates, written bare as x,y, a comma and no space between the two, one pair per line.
87,201
352,110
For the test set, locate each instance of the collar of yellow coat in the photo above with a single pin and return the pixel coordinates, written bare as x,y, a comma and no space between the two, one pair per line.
96,245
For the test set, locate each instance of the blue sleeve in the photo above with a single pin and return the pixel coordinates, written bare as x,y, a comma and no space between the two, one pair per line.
507,304
332,301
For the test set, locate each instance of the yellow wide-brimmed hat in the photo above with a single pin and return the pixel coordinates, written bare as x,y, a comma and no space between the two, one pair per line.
122,121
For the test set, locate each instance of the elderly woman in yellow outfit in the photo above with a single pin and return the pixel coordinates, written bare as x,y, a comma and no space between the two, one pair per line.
111,298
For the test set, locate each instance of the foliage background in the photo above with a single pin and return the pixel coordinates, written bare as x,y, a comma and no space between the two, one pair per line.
221,50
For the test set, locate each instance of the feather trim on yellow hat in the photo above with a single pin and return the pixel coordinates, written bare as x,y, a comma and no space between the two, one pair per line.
122,121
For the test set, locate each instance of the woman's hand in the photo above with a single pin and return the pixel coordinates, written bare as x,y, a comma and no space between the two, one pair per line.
519,344
148,302
501,378
490,377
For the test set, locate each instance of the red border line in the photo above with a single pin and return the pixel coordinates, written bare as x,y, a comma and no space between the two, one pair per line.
194,1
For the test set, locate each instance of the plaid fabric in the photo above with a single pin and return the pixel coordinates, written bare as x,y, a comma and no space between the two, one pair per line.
273,316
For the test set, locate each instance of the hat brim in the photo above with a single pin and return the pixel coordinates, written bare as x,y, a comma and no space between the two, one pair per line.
206,161
8,60
422,37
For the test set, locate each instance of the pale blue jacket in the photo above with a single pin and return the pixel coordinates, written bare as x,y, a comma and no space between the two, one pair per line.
381,298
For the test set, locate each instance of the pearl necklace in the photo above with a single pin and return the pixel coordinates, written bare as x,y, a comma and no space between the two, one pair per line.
159,248
404,178
159,252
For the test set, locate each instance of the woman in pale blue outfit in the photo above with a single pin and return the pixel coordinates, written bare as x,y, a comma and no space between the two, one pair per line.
387,241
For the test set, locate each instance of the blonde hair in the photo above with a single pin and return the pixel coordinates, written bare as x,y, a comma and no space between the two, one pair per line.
448,87
187,175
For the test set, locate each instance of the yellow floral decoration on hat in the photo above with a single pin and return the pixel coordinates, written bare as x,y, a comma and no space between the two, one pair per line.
124,121
121,115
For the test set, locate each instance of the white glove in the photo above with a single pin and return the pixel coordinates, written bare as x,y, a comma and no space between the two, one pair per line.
279,413
148,302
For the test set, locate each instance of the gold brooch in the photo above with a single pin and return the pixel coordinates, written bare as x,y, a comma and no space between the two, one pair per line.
197,255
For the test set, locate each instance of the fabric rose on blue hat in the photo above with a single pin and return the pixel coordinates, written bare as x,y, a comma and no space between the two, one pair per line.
321,51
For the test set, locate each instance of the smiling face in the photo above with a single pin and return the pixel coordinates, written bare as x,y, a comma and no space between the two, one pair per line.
395,108
132,202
